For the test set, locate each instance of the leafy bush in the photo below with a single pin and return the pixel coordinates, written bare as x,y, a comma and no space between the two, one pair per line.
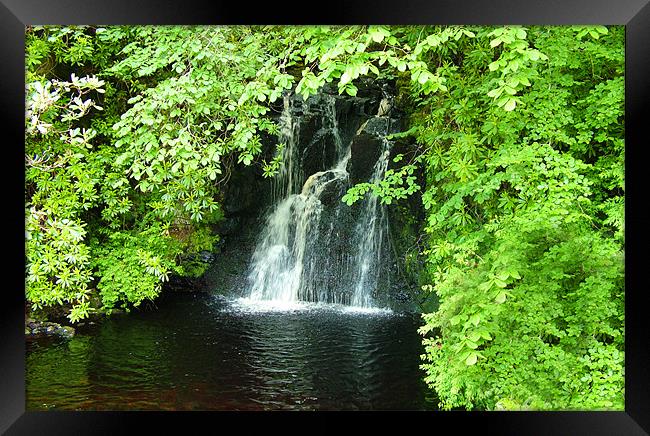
133,266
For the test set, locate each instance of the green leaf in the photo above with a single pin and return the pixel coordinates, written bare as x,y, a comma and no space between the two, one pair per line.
503,276
485,335
433,40
485,286
602,29
377,36
471,359
495,92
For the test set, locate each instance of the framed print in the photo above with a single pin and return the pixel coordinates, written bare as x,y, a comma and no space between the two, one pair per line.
427,212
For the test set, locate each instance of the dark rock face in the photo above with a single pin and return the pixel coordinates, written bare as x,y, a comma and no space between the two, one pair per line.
367,141
317,153
243,191
228,273
332,192
375,126
327,186
365,148
227,226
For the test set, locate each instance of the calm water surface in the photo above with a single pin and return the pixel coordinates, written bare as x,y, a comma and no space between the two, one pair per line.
204,352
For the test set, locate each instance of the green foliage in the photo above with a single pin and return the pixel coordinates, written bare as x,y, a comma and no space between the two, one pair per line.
63,186
525,223
78,183
179,135
519,132
396,185
133,265
272,168
518,327
57,263
193,240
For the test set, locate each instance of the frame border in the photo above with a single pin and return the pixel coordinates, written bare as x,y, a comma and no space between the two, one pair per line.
634,14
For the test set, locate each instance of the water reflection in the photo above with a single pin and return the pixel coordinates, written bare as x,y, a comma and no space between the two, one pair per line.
198,352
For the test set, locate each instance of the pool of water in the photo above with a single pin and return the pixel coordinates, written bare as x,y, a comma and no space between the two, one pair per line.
197,351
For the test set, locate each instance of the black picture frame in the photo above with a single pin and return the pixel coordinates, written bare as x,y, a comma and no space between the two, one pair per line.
634,14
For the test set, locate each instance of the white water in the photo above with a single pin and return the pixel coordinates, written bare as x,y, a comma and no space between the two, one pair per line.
249,305
298,257
370,230
286,181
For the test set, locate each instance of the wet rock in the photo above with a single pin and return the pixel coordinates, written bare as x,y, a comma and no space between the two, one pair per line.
364,151
333,191
240,192
66,332
246,193
367,144
45,328
206,256
319,152
228,226
402,296
328,186
375,126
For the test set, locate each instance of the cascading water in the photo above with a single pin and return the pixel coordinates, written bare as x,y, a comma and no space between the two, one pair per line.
369,233
289,175
304,252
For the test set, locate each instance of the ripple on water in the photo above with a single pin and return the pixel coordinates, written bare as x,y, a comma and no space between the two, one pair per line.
217,353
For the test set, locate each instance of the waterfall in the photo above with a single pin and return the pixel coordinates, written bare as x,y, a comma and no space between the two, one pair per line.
369,233
304,252
290,173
